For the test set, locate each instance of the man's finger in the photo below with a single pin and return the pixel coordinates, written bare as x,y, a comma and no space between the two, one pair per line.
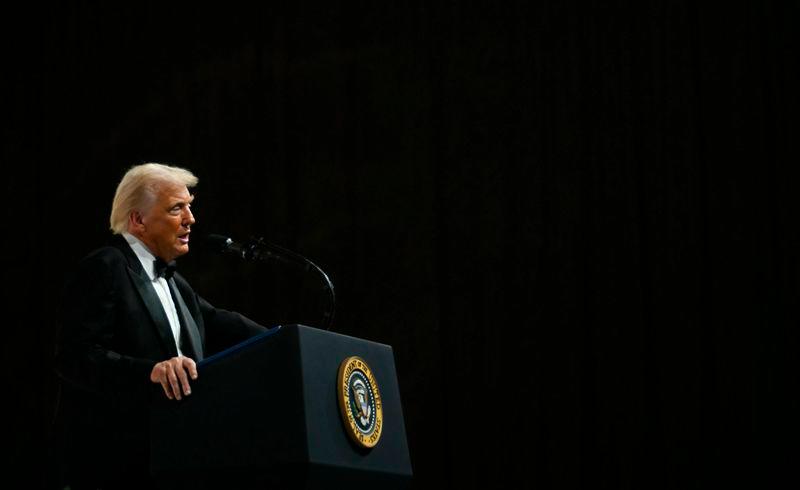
184,379
173,381
192,367
167,391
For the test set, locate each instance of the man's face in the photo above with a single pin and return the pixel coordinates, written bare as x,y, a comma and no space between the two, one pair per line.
165,227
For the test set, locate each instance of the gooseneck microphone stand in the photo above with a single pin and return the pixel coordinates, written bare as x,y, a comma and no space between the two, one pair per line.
257,249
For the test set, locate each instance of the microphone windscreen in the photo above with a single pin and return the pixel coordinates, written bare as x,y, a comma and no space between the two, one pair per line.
218,243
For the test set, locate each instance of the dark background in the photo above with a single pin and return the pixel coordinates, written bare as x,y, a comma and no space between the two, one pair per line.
575,223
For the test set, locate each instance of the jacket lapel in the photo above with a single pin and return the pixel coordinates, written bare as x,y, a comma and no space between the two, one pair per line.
190,327
145,289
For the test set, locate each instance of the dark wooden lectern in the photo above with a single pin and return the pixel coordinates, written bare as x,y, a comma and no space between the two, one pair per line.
265,413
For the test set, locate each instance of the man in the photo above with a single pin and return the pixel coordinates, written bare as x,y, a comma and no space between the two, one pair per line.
129,325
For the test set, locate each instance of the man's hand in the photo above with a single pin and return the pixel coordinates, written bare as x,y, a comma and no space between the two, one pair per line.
173,375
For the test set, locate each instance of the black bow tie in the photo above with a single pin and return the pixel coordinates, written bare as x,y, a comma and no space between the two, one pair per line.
165,269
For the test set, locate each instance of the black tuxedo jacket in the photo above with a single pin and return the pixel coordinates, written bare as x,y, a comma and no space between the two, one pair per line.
113,330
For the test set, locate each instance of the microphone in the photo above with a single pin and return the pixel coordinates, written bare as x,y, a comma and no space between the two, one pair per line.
258,249
221,243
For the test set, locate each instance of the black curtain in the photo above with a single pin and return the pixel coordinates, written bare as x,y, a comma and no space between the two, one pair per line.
575,223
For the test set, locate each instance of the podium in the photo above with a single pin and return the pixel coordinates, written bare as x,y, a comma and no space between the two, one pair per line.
266,414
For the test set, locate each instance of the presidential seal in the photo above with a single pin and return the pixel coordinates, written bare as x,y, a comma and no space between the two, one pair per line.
360,402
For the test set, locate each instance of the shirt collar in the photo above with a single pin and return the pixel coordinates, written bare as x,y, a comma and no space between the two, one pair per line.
143,253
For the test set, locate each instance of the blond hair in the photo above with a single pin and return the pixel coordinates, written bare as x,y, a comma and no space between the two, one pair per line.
139,188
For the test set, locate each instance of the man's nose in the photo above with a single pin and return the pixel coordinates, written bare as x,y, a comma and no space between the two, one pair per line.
188,219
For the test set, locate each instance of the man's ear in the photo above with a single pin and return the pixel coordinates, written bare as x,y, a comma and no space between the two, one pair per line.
136,221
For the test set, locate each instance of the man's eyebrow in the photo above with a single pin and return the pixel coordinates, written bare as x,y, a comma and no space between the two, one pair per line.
181,202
